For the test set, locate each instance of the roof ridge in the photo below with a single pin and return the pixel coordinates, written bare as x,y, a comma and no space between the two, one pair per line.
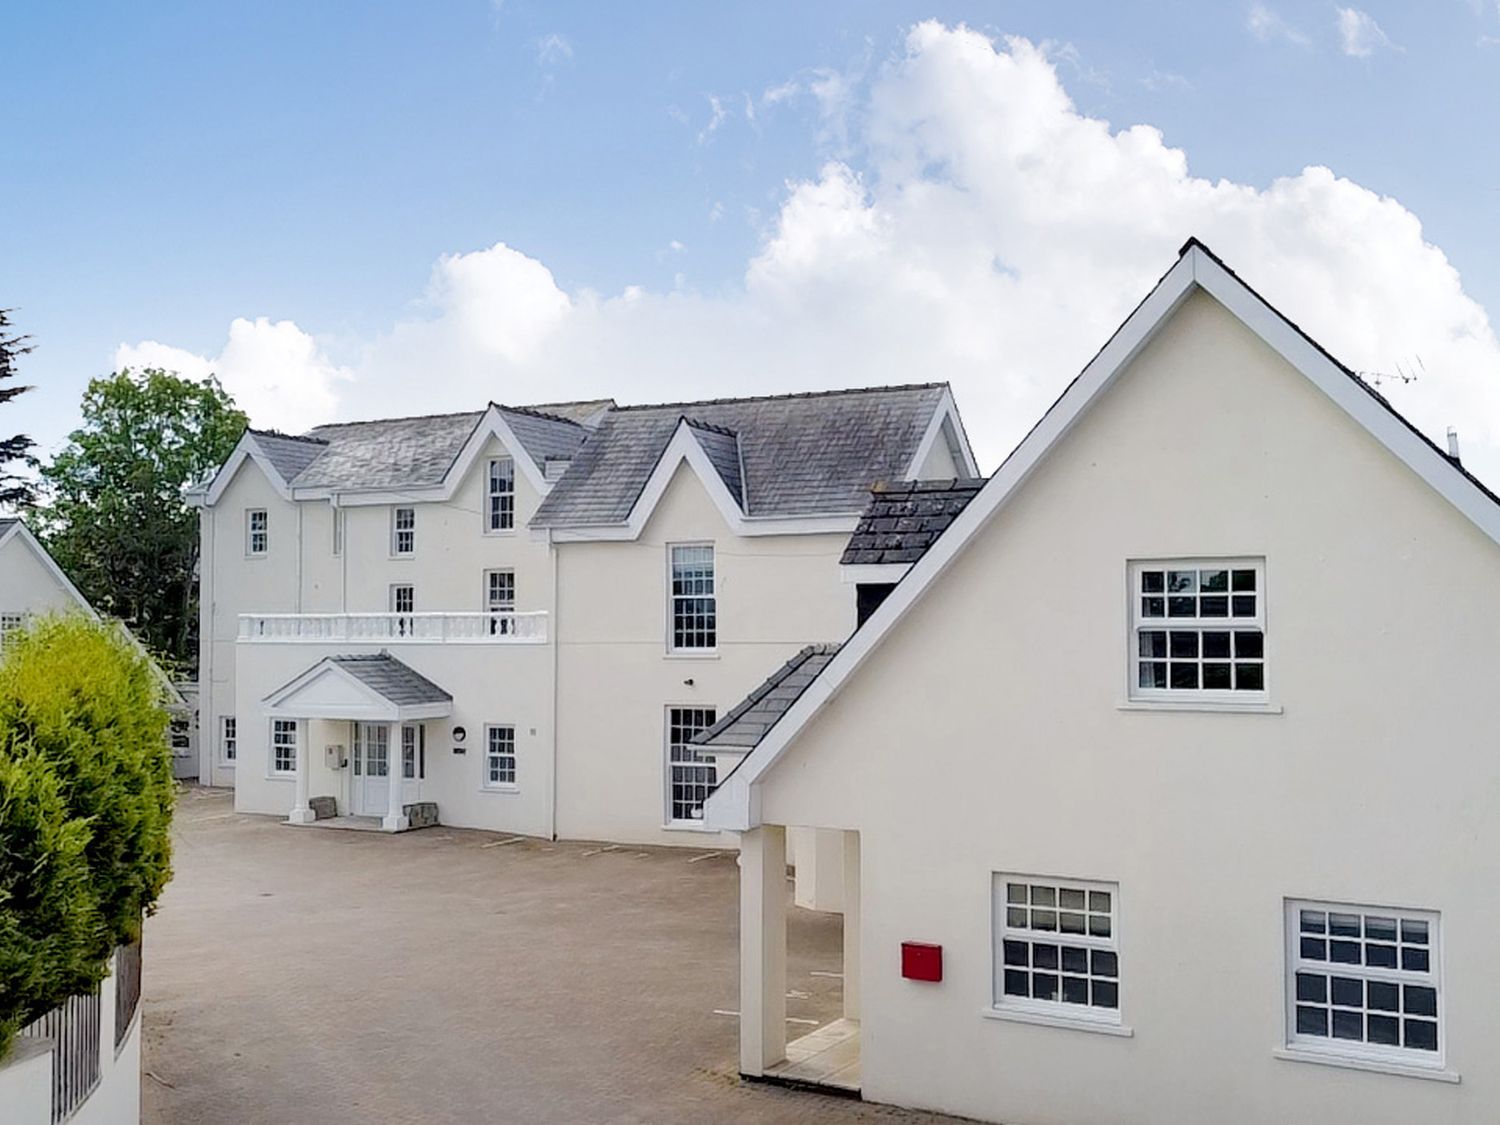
710,427
930,484
533,412
402,418
788,395
285,437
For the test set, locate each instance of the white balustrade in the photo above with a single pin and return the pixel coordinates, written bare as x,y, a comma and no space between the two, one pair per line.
397,628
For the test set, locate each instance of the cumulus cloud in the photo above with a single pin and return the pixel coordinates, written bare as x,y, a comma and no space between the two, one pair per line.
1269,26
990,234
1359,35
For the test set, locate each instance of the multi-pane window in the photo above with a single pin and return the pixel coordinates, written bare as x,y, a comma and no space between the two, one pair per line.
1364,981
1198,628
695,614
403,603
502,494
403,531
283,745
10,623
500,600
372,743
499,755
692,773
413,751
228,739
1058,947
257,531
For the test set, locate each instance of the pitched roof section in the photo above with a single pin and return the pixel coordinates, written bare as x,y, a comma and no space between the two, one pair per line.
390,453
807,454
748,722
905,518
288,454
723,449
544,436
388,677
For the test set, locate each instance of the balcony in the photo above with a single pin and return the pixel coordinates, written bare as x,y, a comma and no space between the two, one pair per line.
396,628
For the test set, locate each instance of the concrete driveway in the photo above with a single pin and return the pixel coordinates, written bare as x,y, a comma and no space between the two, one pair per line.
306,975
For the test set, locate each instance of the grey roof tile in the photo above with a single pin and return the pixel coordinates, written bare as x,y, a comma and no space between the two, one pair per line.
903,519
749,721
397,682
390,453
288,454
723,449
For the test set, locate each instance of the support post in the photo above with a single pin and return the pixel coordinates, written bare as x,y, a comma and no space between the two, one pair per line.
762,948
395,819
301,812
852,926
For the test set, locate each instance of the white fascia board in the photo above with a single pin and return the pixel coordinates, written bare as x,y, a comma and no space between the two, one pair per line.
246,448
416,712
944,421
855,573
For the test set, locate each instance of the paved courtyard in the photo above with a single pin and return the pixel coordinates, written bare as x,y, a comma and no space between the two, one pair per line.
297,974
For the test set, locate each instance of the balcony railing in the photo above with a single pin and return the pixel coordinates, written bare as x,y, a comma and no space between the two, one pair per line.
397,628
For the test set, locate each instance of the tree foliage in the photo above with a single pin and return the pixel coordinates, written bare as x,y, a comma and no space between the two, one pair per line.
116,520
86,797
15,491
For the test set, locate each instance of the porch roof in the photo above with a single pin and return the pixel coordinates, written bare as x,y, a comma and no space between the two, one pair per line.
360,687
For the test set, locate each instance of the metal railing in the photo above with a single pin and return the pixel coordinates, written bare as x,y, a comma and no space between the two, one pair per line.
399,628
127,987
73,1026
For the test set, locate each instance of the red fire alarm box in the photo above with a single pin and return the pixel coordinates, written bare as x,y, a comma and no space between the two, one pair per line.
921,961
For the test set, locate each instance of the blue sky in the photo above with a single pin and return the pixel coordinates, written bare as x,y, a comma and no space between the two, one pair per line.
173,167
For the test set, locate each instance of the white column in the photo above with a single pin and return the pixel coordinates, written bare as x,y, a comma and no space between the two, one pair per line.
851,925
395,819
762,948
301,813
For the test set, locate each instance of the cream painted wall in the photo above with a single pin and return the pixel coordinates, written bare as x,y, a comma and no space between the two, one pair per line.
26,585
939,463
984,735
616,677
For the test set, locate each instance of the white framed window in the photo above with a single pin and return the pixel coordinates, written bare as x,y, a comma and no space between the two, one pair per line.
371,743
413,751
695,612
10,623
404,604
500,601
228,739
1364,982
691,773
499,757
338,531
1057,947
284,746
403,531
257,531
1198,630
501,496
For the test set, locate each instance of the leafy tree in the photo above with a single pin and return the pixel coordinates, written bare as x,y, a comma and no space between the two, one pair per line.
116,520
86,798
14,490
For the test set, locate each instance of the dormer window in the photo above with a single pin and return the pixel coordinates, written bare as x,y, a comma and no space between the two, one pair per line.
1199,630
502,494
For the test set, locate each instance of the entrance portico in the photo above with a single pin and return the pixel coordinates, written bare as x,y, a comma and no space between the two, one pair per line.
379,697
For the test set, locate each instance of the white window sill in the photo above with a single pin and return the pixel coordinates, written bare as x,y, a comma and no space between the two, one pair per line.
1202,705
1375,1066
502,533
1043,1019
692,654
281,777
689,826
499,788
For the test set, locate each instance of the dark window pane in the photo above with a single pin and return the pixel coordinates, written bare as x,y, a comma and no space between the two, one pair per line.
1380,929
1314,922
1016,952
1314,949
1071,898
1016,983
1421,1035
1182,607
1044,986
1070,922
1153,607
1349,991
1016,917
1348,1025
1075,960
1311,986
1099,900
1153,644
1249,644
1414,931
1075,990
1152,582
1182,581
1382,996
1044,920
1106,994
1216,646
1153,675
1312,1021
1043,896
1243,605
1106,963
1044,956
1244,580
1216,677
1217,606
1380,956
1343,925
1415,960
1420,1001
1385,1030
1344,952
1015,892
1184,676
1099,925
1249,677
1213,581
1184,646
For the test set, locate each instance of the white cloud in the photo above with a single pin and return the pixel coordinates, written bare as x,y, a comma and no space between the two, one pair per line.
1359,34
552,49
990,234
1268,26
1161,81
717,114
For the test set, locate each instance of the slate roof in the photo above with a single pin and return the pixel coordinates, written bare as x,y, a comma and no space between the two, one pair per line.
288,453
804,454
7,523
750,720
905,518
397,682
723,449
